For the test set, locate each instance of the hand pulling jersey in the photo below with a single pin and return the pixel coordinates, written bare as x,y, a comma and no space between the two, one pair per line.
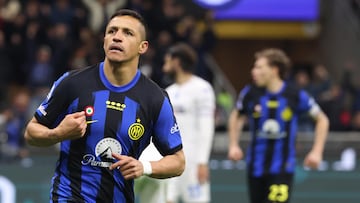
273,126
120,120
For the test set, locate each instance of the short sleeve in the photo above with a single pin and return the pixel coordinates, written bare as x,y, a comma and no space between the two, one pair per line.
240,102
166,136
307,104
54,104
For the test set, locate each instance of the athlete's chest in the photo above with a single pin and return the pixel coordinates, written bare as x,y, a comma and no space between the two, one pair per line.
116,115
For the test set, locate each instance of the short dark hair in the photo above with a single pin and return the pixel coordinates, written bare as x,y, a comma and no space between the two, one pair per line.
276,58
132,13
186,55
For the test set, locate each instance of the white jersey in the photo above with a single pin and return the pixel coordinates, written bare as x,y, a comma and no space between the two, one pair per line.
194,108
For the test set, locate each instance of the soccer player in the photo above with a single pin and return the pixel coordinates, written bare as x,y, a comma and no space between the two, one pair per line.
194,107
272,107
104,117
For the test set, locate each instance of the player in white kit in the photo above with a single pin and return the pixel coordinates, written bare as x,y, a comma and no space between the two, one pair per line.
193,101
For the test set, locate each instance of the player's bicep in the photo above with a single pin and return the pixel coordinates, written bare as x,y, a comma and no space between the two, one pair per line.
166,135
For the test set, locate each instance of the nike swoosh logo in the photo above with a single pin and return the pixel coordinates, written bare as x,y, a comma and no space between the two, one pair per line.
93,121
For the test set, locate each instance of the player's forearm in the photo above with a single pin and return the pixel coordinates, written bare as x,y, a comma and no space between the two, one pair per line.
204,139
235,126
39,135
321,132
169,166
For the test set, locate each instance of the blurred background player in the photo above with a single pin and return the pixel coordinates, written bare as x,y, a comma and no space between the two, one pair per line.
193,101
272,107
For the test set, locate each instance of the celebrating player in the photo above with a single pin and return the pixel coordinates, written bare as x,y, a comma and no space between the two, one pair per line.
104,116
272,107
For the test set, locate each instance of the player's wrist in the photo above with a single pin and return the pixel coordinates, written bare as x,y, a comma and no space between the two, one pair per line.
147,168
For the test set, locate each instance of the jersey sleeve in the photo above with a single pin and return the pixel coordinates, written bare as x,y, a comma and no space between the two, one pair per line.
54,104
307,104
240,102
205,106
166,136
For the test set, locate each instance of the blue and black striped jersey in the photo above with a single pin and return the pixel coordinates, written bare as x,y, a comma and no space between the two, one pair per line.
273,126
120,120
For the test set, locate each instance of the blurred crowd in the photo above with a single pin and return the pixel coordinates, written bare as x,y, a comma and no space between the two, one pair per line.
339,100
42,39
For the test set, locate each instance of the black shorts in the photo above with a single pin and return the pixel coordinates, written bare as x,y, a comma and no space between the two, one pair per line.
270,188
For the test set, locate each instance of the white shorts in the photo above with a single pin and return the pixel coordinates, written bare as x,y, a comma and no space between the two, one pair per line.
150,190
187,188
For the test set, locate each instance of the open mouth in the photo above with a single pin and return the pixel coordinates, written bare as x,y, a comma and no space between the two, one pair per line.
116,48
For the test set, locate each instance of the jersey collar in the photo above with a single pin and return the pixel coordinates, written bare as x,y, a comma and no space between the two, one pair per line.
114,88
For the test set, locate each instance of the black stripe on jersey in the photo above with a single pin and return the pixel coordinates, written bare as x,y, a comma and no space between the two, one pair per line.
113,119
269,154
285,149
76,152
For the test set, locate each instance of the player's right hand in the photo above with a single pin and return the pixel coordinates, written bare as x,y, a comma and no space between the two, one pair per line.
235,153
73,126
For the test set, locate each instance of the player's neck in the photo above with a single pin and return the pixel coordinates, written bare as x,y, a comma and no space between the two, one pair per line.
119,74
275,85
182,77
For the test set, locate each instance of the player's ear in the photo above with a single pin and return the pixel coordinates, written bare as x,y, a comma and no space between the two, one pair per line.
143,47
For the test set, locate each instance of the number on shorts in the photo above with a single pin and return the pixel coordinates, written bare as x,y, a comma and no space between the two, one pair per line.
279,193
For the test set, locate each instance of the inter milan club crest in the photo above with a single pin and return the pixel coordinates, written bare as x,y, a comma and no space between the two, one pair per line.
136,130
89,111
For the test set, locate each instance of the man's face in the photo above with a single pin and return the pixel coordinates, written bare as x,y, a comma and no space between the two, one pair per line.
170,64
262,73
124,39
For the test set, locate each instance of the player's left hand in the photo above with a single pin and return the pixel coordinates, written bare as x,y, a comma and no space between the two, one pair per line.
129,167
203,173
313,160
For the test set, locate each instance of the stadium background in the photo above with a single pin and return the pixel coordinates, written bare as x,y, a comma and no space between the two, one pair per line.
312,32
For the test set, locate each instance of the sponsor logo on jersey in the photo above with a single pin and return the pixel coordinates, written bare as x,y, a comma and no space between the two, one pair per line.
136,130
174,129
103,153
271,130
115,105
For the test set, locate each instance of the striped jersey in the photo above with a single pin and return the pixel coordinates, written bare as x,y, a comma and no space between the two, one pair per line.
273,126
121,119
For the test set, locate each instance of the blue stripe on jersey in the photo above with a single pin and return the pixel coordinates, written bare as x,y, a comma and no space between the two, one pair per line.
166,127
113,88
259,159
260,147
277,161
90,179
62,170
